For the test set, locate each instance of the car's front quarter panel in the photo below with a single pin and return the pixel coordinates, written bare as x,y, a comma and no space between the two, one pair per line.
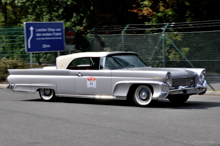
122,80
160,90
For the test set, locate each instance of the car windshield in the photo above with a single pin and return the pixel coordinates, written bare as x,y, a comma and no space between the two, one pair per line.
123,61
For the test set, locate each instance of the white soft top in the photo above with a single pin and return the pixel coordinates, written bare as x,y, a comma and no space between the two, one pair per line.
63,61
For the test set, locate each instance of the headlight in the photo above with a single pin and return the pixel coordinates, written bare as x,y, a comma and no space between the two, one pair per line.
168,79
202,76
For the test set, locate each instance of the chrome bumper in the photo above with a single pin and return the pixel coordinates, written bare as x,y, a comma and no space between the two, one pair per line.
10,87
199,89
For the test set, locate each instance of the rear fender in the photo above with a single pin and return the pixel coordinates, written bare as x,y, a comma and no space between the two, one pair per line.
32,88
36,86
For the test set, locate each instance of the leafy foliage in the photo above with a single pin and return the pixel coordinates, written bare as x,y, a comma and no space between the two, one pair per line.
15,63
158,11
174,55
12,64
6,64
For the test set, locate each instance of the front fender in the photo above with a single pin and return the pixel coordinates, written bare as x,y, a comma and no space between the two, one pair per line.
121,89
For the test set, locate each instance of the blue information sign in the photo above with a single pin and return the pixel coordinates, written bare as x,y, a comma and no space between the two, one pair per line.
44,36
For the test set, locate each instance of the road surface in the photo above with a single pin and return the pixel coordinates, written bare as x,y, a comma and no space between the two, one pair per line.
27,121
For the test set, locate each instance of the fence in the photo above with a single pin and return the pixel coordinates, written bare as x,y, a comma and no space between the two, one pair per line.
170,49
166,49
12,44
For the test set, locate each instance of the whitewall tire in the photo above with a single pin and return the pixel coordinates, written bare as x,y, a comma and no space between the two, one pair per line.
142,95
47,94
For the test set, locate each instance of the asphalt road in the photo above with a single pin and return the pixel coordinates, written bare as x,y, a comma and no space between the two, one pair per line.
27,121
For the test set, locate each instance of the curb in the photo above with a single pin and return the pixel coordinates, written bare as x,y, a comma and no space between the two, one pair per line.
213,93
4,86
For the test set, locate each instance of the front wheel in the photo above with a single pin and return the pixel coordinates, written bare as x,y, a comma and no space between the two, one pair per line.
142,95
47,94
178,99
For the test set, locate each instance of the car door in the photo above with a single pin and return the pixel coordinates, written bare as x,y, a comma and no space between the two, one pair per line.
93,82
90,78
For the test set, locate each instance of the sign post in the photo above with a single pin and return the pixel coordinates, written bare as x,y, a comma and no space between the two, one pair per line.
44,37
31,60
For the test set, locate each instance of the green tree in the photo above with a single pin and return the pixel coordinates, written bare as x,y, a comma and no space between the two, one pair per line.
11,13
157,11
81,15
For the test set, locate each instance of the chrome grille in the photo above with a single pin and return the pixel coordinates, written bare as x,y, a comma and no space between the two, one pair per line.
189,82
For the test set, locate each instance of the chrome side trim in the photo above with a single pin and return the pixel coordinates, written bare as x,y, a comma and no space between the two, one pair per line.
31,88
93,96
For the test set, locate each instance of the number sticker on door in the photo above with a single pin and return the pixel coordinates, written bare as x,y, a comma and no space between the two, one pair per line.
91,82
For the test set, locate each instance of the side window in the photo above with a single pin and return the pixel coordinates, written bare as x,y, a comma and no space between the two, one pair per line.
109,64
115,63
95,62
80,62
86,63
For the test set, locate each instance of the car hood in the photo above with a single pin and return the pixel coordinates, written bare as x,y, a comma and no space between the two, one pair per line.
176,72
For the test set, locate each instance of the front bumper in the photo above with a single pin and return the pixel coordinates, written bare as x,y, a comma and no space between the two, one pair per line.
199,89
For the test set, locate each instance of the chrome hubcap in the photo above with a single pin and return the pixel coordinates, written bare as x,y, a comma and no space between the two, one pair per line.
47,92
143,94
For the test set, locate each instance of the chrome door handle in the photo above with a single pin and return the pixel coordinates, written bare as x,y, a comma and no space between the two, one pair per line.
79,74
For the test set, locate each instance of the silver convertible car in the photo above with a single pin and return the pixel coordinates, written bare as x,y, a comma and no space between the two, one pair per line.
109,75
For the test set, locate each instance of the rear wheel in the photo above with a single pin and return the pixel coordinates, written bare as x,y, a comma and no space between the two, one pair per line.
47,94
142,95
178,99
